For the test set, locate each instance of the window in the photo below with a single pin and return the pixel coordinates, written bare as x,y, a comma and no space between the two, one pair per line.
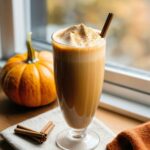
127,72
128,41
13,27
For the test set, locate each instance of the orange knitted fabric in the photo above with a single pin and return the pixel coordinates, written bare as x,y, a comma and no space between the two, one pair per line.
133,139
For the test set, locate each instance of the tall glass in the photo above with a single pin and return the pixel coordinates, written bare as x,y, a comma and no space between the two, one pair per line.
79,74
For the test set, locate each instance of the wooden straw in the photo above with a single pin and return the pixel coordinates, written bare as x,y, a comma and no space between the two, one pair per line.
106,25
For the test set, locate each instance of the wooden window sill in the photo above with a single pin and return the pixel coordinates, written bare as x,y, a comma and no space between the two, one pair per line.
11,114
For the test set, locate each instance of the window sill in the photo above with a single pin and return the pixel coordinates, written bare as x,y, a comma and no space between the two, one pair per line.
119,105
125,107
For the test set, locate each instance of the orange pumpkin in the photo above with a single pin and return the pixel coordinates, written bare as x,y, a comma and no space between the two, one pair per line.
28,79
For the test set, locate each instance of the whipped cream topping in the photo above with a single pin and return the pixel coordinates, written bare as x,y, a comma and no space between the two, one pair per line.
79,35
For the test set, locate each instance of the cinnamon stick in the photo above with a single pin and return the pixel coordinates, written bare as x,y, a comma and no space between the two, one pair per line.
39,137
25,128
39,140
106,25
47,128
29,133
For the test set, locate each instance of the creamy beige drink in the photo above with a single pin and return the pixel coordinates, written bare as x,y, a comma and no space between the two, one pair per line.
79,56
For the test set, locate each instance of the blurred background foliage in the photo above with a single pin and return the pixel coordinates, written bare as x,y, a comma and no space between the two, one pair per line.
129,35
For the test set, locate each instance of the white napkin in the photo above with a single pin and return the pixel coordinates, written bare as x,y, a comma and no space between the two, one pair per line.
38,122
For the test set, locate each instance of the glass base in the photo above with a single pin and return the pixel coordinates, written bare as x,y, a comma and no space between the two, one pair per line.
67,140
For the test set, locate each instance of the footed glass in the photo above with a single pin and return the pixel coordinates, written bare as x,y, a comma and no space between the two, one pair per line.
79,74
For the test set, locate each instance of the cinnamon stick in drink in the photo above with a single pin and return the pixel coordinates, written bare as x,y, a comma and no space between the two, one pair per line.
106,25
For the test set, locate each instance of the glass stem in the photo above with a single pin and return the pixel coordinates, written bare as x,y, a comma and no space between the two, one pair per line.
78,133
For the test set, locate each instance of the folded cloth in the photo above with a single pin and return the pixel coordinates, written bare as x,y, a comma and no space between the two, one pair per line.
133,139
36,123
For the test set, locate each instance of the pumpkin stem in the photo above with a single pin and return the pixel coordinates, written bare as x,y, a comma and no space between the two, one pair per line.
31,52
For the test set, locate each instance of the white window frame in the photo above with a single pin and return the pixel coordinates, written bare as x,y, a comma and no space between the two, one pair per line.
14,23
122,82
130,83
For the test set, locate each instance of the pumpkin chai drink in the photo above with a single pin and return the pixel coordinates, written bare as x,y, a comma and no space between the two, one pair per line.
79,57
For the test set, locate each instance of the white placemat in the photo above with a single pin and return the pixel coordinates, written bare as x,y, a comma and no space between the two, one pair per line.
55,115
